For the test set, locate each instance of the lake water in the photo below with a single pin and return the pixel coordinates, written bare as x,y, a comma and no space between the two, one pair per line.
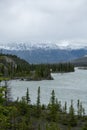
67,86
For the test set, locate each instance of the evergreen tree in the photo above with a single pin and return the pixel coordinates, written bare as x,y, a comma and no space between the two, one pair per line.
27,97
65,108
53,100
38,103
80,109
58,105
71,109
72,119
53,110
7,93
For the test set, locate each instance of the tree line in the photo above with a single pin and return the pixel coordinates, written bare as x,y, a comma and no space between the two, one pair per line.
23,115
12,66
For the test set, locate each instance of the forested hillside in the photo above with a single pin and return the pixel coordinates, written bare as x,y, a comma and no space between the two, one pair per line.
13,67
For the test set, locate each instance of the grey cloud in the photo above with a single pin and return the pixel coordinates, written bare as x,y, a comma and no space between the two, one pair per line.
25,20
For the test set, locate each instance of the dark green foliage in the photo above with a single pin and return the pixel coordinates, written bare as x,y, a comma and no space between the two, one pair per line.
43,71
61,67
80,109
11,65
14,67
38,105
21,115
72,118
52,126
85,127
27,97
65,108
53,110
38,97
52,100
58,105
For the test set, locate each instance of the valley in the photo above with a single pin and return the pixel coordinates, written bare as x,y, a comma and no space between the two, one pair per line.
41,53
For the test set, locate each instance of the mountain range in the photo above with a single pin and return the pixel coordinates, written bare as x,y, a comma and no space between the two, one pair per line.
44,52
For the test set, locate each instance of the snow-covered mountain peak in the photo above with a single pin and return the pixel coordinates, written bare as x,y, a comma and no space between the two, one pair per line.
28,46
44,45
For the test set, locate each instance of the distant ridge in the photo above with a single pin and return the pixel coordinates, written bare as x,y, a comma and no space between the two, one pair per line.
43,52
80,61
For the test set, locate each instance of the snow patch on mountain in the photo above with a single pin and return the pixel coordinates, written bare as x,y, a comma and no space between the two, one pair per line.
44,45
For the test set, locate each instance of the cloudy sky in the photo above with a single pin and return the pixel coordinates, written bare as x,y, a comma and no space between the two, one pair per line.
43,20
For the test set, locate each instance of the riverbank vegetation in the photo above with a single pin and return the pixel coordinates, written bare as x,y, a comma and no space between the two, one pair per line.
23,115
13,67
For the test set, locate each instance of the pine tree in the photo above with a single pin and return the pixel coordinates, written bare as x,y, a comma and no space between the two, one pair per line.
38,98
80,109
7,92
65,108
52,98
38,103
72,119
53,110
71,109
27,97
